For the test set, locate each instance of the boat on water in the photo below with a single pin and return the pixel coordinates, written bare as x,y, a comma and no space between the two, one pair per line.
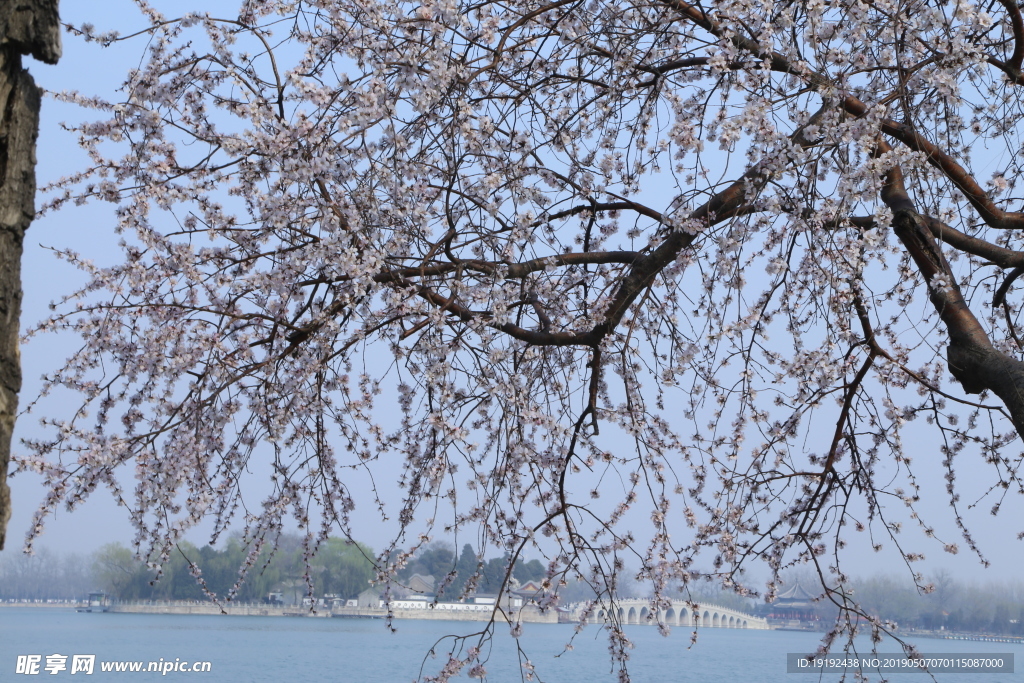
98,601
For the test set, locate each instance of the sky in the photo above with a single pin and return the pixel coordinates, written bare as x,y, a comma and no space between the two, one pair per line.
89,230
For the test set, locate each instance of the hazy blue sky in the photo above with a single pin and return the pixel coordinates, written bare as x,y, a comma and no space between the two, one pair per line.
89,230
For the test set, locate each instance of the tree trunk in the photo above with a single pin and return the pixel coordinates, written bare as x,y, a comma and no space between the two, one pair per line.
26,27
972,358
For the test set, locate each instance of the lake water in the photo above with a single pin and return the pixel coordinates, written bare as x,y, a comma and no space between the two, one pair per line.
279,649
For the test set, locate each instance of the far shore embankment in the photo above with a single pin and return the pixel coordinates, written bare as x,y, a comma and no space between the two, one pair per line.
526,615
529,614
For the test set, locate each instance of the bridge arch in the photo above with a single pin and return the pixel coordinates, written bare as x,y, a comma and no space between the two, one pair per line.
674,613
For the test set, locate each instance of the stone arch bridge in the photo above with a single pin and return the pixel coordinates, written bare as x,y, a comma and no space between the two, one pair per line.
679,613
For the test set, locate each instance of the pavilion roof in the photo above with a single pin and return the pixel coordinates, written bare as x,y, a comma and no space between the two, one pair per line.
796,593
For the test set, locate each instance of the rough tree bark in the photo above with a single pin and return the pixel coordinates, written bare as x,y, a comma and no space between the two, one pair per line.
26,27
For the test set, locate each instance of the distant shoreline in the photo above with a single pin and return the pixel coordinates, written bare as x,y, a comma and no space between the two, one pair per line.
526,616
46,605
977,637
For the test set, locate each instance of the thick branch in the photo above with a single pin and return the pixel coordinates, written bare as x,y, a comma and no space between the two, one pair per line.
972,358
978,198
1001,256
26,27
729,203
993,253
1012,67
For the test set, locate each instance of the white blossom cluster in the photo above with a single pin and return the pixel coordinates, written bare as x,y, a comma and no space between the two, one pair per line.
556,262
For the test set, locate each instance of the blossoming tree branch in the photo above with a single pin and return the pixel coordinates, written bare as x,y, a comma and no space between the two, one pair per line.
649,283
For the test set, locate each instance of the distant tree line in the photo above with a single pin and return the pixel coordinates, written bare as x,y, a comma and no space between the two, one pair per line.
44,576
339,567
439,561
343,568
995,607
